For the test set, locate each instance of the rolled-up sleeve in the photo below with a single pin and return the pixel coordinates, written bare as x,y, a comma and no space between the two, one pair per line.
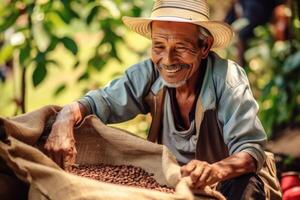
122,98
242,130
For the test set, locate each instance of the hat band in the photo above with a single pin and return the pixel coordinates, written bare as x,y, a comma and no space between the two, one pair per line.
172,11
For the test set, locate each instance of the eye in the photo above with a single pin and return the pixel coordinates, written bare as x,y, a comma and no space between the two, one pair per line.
181,49
159,47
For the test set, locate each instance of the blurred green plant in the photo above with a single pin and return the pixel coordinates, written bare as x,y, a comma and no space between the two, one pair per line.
30,30
273,70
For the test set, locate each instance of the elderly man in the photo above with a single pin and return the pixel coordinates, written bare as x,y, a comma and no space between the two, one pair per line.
201,105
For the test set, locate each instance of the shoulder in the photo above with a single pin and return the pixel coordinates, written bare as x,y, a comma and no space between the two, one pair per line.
144,76
227,71
143,68
145,73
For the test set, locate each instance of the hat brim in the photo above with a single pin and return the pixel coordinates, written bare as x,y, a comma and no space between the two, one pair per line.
221,32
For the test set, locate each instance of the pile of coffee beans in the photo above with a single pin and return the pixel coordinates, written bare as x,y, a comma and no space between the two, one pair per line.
120,174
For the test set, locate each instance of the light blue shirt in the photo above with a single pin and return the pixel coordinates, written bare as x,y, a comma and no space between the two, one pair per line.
225,88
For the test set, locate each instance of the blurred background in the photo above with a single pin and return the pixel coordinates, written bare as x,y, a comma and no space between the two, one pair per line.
53,52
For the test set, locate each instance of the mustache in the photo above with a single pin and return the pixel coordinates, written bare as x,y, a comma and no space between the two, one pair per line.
173,66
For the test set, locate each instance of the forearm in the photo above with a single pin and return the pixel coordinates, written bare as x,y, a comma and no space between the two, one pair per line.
235,165
60,144
72,113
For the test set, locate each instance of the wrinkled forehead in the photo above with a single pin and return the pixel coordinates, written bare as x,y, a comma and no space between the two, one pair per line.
174,30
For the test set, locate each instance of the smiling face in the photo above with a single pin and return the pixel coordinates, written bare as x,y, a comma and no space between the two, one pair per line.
176,51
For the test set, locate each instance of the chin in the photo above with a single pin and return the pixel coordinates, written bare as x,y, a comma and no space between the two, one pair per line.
174,85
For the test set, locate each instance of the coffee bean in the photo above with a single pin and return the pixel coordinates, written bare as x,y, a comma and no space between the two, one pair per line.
120,174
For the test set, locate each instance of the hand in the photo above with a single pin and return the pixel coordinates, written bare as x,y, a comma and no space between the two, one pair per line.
201,173
60,145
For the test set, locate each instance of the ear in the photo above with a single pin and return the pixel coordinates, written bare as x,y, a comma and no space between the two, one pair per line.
207,46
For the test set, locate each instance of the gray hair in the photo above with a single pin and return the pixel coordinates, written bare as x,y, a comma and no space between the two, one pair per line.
203,35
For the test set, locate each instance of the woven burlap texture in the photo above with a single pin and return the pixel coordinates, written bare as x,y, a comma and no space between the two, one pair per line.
96,143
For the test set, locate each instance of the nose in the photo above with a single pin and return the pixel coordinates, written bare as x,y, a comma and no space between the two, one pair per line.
169,58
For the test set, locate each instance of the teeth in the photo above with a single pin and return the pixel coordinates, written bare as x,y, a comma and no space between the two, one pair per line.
172,70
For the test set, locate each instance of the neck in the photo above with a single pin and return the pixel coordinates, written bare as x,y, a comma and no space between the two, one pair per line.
189,88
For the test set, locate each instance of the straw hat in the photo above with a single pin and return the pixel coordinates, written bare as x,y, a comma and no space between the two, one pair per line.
187,11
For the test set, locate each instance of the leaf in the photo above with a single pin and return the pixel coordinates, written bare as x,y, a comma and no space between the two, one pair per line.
97,62
54,20
292,62
9,21
60,89
84,76
68,11
24,55
114,52
39,74
267,89
70,45
72,13
52,44
40,58
47,6
6,53
66,2
76,64
30,7
92,14
65,16
136,11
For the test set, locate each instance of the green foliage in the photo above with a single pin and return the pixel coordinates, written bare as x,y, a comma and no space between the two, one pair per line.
60,89
32,30
70,45
274,68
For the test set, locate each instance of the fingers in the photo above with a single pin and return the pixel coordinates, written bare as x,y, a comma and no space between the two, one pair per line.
201,173
53,152
63,157
197,173
60,145
61,150
69,158
187,169
204,178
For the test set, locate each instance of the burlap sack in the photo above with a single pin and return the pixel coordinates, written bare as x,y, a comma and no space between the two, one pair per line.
96,143
269,177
